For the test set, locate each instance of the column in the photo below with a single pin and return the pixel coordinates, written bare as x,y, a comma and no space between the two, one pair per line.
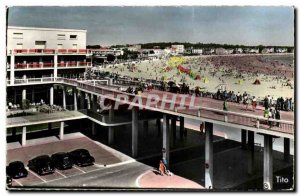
88,101
12,69
166,140
61,130
55,66
15,96
23,136
93,128
49,126
23,94
135,127
268,162
64,98
250,152
286,149
181,127
82,98
14,132
51,95
208,155
75,98
94,106
111,129
244,139
145,130
173,128
158,127
32,96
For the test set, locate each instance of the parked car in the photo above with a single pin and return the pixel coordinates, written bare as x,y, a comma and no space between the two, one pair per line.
62,161
82,157
41,165
8,181
16,170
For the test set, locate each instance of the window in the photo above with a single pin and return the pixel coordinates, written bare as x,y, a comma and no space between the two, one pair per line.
59,46
61,36
19,46
74,46
40,44
17,35
73,37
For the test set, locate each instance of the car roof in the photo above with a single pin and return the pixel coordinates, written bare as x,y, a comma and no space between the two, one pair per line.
59,154
16,163
80,150
42,157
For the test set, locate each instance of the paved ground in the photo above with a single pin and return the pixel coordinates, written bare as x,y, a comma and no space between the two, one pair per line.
152,179
103,157
39,118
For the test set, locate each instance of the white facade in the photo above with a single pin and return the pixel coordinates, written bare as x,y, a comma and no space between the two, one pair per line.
178,48
44,38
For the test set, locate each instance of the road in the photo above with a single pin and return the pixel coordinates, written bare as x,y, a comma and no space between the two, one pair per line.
122,176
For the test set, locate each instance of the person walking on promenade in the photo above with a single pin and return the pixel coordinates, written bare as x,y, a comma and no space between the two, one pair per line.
225,105
161,168
254,104
202,127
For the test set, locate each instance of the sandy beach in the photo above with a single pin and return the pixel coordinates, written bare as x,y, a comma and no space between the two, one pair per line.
236,72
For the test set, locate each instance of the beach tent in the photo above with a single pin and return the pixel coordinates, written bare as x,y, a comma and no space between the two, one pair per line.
257,82
205,80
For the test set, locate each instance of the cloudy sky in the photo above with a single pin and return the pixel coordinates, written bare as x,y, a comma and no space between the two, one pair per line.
120,25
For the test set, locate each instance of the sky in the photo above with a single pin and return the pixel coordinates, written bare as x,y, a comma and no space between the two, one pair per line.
129,25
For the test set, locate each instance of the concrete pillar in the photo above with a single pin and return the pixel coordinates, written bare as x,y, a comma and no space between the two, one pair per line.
166,140
32,95
135,130
158,127
82,98
181,127
12,69
268,162
75,98
55,66
250,152
244,139
15,96
286,150
208,155
49,126
61,130
111,130
146,126
64,98
173,128
51,95
14,132
94,106
23,94
88,101
23,136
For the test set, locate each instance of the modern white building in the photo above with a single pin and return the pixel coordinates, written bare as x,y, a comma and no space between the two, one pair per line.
179,49
36,55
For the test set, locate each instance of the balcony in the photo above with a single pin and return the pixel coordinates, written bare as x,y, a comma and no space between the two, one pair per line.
49,51
73,64
34,65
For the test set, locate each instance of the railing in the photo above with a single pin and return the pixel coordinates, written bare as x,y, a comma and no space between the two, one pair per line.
204,112
243,119
50,51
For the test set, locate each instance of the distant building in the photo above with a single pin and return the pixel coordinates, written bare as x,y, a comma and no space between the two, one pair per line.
194,51
208,51
135,48
238,50
223,51
179,49
267,50
281,50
